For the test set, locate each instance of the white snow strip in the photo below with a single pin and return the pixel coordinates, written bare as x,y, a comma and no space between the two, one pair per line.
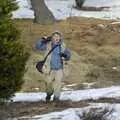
29,97
62,9
110,92
71,85
66,89
118,22
75,113
24,10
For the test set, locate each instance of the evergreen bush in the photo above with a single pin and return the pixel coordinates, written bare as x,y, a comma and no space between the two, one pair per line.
13,57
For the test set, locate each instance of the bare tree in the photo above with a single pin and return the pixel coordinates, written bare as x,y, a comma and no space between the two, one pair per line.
42,14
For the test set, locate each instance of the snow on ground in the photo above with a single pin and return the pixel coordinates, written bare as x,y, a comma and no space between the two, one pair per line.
24,10
75,113
101,3
110,92
69,114
62,9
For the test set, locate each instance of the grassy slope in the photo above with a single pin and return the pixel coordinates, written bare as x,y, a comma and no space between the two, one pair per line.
96,44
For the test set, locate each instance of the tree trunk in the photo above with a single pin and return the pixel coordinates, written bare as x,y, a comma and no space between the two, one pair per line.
42,14
79,3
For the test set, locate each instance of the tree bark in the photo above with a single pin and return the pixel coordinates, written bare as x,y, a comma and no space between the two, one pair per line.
42,14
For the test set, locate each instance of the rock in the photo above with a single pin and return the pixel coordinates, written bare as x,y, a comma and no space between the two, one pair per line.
117,22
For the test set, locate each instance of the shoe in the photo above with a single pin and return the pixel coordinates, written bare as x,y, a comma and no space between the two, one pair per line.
48,97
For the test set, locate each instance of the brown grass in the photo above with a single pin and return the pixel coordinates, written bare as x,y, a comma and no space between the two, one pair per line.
96,50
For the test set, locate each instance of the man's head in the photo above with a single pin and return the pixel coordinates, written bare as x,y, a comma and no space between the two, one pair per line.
56,37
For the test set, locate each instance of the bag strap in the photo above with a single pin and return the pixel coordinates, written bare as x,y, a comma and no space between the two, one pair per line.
50,52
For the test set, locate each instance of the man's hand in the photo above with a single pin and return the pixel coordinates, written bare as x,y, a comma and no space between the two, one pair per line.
46,39
63,55
66,54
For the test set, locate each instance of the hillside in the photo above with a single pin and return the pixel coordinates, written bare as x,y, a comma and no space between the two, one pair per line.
95,63
95,57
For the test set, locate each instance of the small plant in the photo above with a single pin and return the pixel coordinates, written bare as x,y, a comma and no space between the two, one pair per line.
96,114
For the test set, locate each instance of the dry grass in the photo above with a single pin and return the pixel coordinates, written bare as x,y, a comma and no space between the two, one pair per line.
95,44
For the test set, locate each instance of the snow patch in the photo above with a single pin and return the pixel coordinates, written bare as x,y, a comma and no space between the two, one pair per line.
62,9
24,11
110,92
29,97
74,113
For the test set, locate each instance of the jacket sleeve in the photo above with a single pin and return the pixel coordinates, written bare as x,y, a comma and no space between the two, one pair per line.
66,54
41,45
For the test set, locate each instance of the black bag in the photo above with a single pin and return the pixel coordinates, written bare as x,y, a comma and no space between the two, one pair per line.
40,64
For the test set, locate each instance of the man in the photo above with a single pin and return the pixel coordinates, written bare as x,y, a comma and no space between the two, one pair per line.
53,67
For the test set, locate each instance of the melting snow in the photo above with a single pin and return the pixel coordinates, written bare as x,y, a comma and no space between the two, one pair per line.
62,9
75,113
110,92
24,10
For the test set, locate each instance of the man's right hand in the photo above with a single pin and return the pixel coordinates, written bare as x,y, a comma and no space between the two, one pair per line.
46,39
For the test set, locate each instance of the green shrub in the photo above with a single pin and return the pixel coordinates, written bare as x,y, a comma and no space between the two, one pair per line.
12,54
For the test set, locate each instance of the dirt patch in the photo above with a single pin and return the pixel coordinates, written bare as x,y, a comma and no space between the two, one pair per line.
19,109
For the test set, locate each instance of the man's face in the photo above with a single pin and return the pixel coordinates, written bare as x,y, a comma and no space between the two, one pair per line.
56,38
